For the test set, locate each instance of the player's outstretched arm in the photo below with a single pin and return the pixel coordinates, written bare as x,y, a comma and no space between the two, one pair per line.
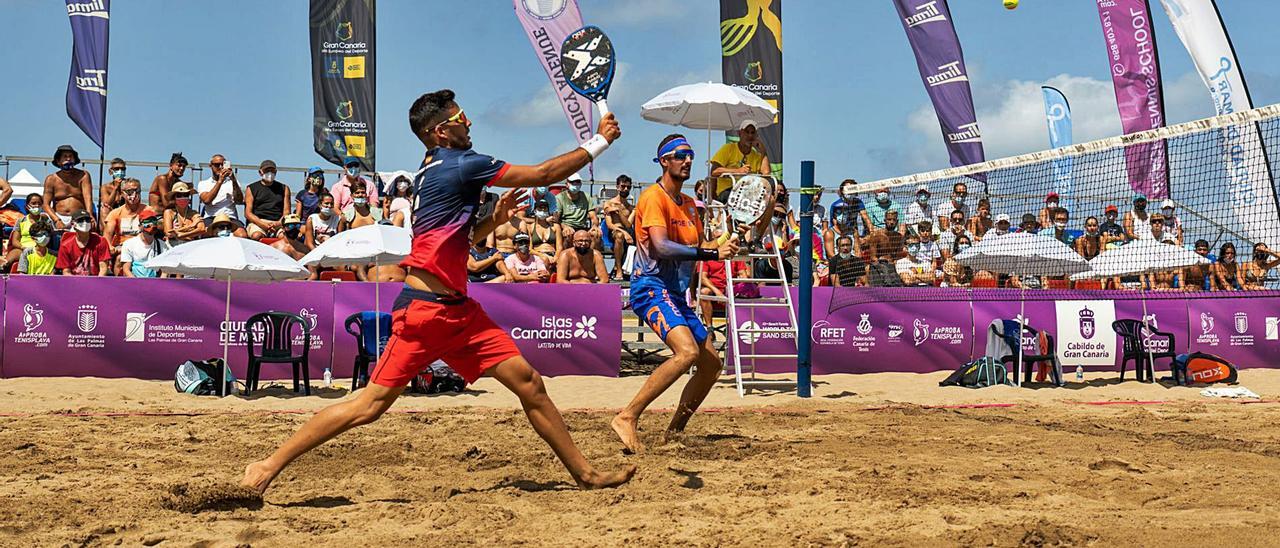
560,167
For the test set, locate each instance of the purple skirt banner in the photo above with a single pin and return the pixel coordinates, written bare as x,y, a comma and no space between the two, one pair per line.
1245,331
144,328
562,329
1135,74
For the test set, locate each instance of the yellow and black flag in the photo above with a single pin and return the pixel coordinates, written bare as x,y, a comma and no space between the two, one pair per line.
751,58
343,71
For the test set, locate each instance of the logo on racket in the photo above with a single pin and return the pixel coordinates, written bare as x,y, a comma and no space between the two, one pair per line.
586,58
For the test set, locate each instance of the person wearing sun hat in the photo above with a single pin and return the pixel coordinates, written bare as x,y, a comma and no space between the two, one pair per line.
745,156
222,226
182,223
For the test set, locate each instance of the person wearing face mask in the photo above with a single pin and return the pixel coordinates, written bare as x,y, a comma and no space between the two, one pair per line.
308,199
1000,227
109,196
849,201
1172,224
1254,272
1110,227
350,179
577,209
1137,223
920,209
38,259
68,189
959,202
745,156
221,193
843,223
160,196
524,266
85,253
222,226
1059,218
955,229
324,223
1045,215
264,203
619,218
183,224
125,222
580,263
543,194
21,238
912,269
135,252
400,201
847,267
362,211
292,243
878,208
546,238
886,244
955,274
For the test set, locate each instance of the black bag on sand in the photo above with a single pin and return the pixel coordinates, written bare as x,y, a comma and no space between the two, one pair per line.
979,373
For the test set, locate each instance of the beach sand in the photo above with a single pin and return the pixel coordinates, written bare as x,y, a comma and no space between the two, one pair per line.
871,459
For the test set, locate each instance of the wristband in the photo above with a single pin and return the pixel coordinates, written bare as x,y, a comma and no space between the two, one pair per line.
705,254
595,146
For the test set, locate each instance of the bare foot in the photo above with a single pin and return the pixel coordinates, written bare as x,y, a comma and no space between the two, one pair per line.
258,476
605,480
626,430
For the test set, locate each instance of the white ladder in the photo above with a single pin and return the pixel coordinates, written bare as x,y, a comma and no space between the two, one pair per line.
755,332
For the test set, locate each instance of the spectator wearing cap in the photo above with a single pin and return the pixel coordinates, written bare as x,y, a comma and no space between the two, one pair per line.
1109,227
525,267
220,194
1045,216
877,209
920,209
85,253
308,199
1172,224
1200,277
67,190
136,251
1029,224
350,179
580,263
160,197
181,223
109,196
38,259
264,203
1137,223
748,155
981,222
1001,226
577,208
291,241
125,222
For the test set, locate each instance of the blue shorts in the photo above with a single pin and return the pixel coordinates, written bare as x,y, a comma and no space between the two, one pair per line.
656,307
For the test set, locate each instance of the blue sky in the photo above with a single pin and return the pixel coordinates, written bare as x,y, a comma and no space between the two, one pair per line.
233,77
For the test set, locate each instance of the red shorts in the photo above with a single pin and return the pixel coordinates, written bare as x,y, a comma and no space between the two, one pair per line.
423,331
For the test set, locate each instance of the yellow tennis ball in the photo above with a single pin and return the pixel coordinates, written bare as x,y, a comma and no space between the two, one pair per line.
1010,4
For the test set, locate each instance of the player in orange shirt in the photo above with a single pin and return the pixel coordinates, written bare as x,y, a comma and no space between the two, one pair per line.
668,243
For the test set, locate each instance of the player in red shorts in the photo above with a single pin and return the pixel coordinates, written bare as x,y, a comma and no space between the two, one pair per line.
433,318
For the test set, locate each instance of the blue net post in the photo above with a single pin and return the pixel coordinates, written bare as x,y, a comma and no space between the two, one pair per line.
804,386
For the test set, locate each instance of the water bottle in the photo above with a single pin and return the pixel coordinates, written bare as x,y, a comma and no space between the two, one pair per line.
328,378
1079,372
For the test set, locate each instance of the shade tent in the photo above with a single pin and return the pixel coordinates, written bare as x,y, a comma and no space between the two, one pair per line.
23,184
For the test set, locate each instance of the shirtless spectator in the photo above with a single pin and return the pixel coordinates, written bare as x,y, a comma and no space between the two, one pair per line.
221,193
619,216
581,264
546,238
485,264
361,212
504,235
291,241
981,222
67,190
1199,277
160,197
524,266
6,191
109,196
125,222
885,244
182,224
265,203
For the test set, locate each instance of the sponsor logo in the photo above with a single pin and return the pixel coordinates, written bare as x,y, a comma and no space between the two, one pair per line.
87,318
927,12
135,326
32,317
920,331
754,72
1206,323
1086,323
544,9
558,331
947,74
864,324
354,145
1242,323
332,66
310,317
96,8
353,66
823,333
344,31
737,32
895,332
1273,328
345,110
92,81
585,328
968,134
744,333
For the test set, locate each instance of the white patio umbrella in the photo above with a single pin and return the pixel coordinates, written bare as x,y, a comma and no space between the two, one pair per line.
709,106
231,259
378,244
1023,254
1141,257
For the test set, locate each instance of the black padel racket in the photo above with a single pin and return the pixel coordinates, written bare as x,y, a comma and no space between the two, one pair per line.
587,58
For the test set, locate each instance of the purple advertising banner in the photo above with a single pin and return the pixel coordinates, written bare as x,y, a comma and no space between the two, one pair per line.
87,86
1244,331
1135,74
144,328
941,63
546,24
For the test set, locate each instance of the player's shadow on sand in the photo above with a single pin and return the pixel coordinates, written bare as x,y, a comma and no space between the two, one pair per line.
319,502
528,486
691,479
284,390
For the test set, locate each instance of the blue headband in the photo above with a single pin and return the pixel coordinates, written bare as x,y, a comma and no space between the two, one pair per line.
670,147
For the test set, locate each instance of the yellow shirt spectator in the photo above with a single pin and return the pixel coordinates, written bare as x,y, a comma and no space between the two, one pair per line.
731,159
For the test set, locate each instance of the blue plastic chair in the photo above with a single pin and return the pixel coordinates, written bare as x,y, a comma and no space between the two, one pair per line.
369,342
